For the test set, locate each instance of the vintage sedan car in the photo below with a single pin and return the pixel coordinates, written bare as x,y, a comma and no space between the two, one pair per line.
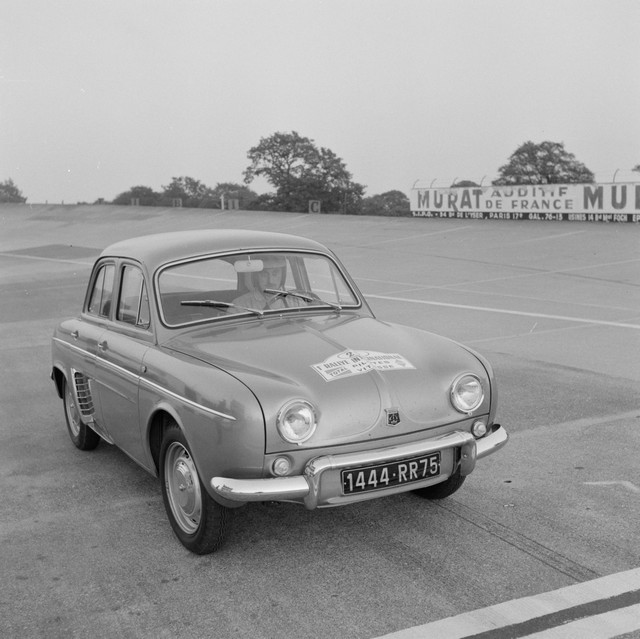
245,366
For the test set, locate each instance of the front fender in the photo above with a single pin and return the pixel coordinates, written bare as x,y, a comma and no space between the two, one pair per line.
220,417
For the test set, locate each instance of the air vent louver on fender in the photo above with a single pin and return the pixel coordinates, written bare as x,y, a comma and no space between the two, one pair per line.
83,393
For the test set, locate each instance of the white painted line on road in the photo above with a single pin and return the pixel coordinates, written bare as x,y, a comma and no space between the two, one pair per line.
44,259
536,273
488,309
625,484
555,236
605,626
599,609
413,237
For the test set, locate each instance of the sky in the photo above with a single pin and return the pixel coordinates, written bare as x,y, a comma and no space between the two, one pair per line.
97,96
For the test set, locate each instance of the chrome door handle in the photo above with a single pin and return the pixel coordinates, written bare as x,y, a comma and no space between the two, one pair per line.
75,334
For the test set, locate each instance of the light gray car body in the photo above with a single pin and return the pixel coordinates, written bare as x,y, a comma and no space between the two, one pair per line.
223,380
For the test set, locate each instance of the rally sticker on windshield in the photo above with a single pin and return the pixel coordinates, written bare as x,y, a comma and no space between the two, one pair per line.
349,363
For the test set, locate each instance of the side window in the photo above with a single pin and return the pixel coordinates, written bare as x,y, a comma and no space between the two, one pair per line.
102,293
133,303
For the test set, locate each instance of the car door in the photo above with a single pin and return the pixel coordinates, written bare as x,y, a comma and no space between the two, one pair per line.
82,337
120,352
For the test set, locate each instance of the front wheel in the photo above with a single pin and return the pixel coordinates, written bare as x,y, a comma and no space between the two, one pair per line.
197,520
82,436
443,489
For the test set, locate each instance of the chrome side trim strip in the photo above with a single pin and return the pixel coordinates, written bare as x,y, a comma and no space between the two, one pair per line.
184,400
73,347
119,369
148,383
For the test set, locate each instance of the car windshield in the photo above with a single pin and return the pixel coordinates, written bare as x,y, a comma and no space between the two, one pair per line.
255,283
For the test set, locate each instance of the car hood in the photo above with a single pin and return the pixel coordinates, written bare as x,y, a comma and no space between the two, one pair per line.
361,374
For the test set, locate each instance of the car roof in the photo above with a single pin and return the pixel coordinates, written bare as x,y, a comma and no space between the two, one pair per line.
161,248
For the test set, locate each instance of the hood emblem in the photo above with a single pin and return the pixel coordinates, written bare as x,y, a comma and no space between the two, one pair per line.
393,416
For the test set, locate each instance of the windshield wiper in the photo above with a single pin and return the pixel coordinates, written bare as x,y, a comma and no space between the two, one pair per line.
277,292
217,304
333,305
311,299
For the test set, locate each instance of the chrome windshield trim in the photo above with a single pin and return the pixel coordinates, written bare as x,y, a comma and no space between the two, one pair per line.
355,292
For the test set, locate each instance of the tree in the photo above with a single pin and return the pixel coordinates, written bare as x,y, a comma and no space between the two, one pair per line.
392,203
464,184
544,163
300,172
265,202
144,195
636,168
9,192
233,191
192,193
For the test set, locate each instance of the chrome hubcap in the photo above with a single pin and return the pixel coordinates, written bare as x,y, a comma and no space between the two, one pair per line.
183,487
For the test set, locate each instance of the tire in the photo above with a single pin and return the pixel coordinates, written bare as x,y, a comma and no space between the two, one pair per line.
197,520
443,489
82,436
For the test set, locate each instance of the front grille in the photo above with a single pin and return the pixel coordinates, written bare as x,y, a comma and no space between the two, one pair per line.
83,393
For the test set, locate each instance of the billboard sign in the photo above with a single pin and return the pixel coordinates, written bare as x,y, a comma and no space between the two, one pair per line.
600,202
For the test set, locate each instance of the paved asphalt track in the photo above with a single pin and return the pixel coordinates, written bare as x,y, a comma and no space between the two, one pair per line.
85,547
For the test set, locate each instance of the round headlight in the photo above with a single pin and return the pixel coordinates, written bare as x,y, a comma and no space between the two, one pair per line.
296,421
467,393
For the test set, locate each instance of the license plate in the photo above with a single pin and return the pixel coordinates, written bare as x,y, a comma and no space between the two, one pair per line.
362,480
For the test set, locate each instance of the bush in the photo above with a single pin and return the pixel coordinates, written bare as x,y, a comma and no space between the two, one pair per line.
9,192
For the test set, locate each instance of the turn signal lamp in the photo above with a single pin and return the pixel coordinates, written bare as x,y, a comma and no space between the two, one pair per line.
478,429
281,466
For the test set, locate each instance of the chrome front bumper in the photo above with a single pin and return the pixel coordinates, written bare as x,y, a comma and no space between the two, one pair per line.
307,488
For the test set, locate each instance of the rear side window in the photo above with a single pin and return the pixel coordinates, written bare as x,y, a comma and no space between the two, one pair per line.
133,304
102,292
